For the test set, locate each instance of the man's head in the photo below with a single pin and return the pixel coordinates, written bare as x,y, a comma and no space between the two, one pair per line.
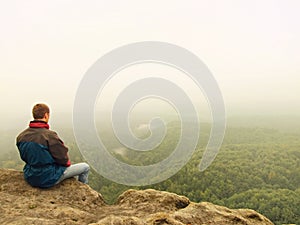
41,112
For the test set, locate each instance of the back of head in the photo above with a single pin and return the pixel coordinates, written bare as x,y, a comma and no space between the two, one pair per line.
39,111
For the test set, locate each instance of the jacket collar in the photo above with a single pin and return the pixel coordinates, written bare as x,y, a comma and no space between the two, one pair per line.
38,124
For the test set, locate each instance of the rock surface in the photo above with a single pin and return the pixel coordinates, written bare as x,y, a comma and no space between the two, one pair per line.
72,202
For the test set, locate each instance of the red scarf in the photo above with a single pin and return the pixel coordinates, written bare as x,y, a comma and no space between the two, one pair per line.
38,124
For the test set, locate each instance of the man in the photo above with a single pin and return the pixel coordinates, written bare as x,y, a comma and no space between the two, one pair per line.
45,155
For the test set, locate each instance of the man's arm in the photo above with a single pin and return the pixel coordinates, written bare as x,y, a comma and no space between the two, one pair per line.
58,150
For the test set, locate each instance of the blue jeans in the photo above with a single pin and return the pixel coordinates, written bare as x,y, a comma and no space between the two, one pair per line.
79,169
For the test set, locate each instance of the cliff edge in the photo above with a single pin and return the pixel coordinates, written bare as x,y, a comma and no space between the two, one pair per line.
72,202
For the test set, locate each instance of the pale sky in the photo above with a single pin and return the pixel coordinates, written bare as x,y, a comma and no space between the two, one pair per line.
251,47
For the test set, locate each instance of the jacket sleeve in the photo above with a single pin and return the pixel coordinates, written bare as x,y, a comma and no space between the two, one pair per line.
58,150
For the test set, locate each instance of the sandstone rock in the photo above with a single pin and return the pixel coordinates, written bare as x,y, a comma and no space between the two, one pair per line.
119,220
69,201
208,213
72,202
152,201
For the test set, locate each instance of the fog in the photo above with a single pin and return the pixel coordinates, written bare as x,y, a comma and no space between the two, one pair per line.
251,48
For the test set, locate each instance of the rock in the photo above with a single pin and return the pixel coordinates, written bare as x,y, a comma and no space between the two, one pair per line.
208,213
119,220
69,201
152,201
72,202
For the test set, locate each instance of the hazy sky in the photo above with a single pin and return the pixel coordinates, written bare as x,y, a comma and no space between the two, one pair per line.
251,47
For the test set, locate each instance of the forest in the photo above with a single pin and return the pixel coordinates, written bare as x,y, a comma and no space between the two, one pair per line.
256,168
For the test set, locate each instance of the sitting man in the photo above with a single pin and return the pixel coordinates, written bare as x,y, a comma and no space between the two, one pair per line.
45,155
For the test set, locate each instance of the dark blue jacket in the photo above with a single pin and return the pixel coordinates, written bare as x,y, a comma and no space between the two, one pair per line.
44,153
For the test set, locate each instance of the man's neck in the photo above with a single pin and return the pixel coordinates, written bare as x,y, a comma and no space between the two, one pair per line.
41,120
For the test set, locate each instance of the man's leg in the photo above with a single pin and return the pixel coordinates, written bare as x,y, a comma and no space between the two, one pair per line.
79,169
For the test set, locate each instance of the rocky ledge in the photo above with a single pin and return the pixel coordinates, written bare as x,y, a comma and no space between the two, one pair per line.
72,202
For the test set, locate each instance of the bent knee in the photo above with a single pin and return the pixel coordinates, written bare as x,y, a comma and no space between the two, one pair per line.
86,166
